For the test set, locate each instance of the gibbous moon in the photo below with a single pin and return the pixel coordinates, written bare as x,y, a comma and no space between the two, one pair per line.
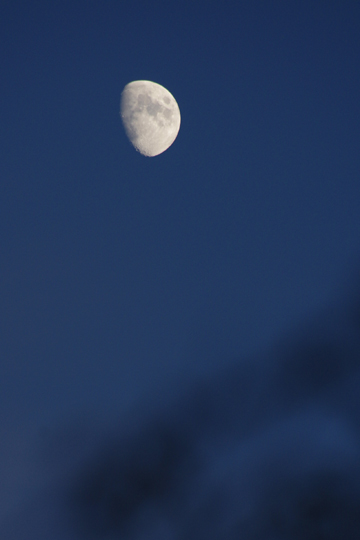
150,115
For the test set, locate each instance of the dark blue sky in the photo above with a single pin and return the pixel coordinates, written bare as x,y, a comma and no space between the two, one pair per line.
119,271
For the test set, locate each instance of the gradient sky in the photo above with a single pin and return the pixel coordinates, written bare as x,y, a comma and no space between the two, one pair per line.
120,273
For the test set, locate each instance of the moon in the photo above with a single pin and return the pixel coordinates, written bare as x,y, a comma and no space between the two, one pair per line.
150,115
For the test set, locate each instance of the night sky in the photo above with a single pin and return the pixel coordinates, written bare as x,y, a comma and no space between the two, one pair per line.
123,276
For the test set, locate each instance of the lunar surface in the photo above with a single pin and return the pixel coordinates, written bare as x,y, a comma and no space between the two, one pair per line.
150,115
